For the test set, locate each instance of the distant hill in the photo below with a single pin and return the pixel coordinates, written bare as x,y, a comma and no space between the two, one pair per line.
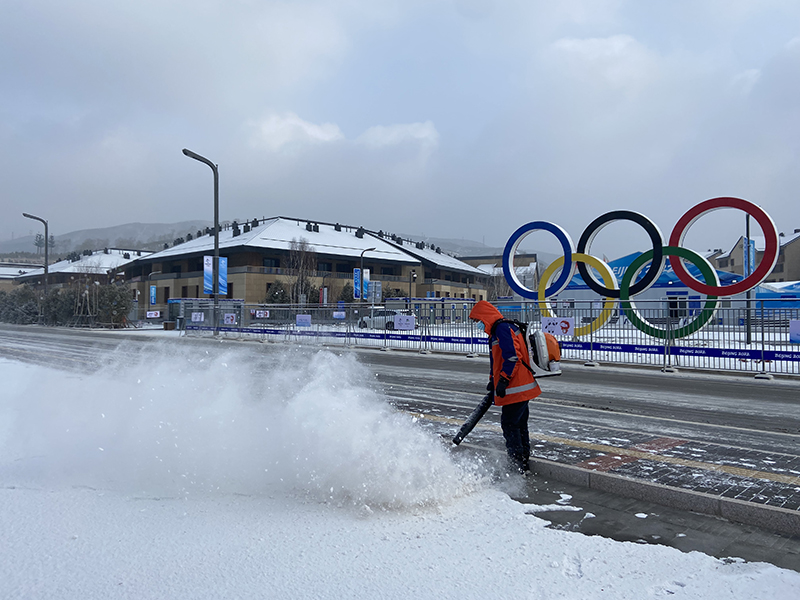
133,236
152,236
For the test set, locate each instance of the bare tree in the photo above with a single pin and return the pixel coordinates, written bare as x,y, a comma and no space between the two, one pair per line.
302,263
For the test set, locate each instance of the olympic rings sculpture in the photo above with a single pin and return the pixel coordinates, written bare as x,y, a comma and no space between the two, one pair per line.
579,258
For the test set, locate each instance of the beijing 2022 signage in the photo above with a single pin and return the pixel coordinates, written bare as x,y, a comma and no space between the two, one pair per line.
580,258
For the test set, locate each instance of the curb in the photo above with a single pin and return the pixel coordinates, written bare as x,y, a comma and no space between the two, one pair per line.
772,518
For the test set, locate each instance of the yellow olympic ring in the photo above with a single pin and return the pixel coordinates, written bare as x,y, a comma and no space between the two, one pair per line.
608,279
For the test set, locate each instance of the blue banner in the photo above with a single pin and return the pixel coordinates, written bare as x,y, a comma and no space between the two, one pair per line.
208,275
357,284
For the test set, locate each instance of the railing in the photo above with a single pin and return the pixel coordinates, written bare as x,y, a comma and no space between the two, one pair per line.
755,339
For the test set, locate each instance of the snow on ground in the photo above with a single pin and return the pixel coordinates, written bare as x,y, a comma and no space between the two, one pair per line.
233,474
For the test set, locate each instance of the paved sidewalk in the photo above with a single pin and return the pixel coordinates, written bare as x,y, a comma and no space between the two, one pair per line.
754,487
653,490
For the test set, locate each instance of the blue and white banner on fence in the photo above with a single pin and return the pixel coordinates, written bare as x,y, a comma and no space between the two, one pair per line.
405,322
794,331
558,325
303,320
365,283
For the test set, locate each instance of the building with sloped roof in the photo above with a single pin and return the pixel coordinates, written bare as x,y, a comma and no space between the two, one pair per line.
9,272
786,269
100,265
259,253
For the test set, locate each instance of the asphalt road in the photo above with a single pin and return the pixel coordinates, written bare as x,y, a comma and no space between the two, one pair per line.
733,409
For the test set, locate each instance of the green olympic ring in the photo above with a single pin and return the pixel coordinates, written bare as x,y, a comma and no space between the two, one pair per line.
706,314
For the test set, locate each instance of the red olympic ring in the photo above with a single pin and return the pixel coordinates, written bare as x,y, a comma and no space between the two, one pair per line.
764,268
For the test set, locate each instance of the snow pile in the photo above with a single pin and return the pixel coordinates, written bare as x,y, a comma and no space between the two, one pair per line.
199,421
236,475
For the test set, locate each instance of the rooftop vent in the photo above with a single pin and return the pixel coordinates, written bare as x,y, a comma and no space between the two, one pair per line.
236,230
254,224
246,227
438,250
316,227
337,227
309,226
797,230
360,232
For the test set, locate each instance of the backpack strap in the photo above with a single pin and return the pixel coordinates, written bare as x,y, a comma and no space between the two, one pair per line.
519,326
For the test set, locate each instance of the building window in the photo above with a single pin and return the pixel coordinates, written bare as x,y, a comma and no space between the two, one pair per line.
387,270
230,290
185,291
271,263
342,268
166,294
324,266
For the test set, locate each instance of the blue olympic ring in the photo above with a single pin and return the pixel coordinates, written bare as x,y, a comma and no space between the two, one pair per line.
511,249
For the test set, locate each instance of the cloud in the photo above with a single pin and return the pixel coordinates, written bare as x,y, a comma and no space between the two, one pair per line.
618,62
288,132
745,81
422,135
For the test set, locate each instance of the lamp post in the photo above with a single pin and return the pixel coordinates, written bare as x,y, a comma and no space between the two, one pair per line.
46,242
361,294
215,266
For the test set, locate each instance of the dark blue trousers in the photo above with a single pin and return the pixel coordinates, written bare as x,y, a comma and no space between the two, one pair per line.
514,421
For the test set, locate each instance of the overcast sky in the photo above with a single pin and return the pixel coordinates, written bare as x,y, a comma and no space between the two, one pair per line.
449,118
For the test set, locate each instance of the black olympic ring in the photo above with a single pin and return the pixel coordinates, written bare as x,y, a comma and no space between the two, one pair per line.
652,230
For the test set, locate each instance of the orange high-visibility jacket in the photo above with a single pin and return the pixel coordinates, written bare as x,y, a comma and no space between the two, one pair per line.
507,350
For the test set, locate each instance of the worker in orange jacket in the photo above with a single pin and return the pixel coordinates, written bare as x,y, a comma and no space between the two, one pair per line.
510,380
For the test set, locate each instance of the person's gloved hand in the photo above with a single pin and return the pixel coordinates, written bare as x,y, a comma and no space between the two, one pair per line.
500,392
489,386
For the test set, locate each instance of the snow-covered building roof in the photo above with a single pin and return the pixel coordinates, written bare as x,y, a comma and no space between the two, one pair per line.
14,270
278,233
427,254
100,262
784,240
496,269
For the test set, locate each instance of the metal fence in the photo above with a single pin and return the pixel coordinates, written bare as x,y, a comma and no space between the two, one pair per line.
754,338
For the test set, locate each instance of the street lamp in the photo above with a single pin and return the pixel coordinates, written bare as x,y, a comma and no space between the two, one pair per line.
215,266
412,276
46,242
361,283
